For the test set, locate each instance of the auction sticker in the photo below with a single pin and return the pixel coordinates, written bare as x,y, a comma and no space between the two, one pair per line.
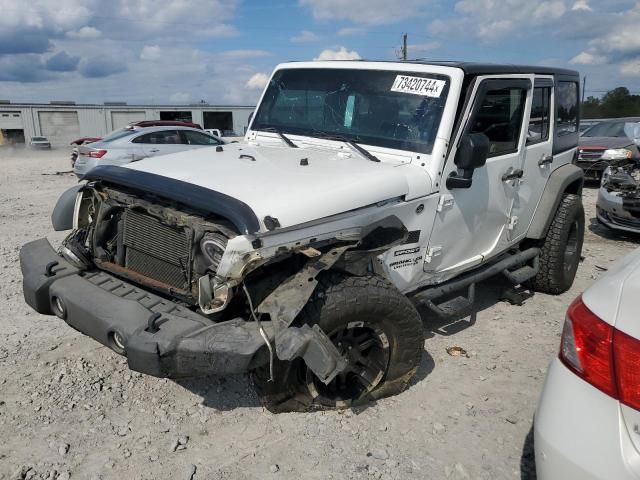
427,87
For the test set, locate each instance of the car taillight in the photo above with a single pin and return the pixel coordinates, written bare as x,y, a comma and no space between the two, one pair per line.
586,347
626,351
598,353
97,153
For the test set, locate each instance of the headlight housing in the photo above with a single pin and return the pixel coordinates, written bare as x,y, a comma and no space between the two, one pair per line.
617,154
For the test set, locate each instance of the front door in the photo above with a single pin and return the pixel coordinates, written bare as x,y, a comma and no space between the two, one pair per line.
473,224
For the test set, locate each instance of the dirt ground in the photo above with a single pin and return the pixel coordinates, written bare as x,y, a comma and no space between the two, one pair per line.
70,408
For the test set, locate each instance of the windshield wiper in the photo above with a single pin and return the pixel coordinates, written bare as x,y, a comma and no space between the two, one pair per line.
339,138
286,139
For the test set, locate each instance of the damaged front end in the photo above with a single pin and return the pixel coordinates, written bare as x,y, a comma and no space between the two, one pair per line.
618,205
182,291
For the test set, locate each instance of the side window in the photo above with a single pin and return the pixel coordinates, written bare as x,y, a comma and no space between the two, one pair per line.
499,116
197,138
164,137
540,119
567,118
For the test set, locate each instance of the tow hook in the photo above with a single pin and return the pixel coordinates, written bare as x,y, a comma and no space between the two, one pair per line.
48,271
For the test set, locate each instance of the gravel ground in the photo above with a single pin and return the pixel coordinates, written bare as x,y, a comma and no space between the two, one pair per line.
71,408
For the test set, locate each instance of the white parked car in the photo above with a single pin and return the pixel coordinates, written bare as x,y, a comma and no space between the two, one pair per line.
291,255
40,143
587,425
131,144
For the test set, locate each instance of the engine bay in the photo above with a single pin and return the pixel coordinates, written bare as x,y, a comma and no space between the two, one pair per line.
158,245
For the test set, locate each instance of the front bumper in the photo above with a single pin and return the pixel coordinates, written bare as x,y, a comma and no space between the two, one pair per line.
579,432
611,213
161,338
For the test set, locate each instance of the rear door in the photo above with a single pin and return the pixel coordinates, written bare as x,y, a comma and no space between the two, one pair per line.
538,160
471,224
159,142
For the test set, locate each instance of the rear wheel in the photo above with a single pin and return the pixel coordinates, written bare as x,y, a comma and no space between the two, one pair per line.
562,247
373,325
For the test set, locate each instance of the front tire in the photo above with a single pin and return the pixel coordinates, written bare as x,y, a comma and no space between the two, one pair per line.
376,327
562,248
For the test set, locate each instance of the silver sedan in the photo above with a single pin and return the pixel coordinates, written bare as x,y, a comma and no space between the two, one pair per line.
131,144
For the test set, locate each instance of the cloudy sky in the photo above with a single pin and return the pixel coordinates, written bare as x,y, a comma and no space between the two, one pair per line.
222,51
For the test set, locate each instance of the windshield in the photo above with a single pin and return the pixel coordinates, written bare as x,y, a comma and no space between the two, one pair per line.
120,133
614,129
381,108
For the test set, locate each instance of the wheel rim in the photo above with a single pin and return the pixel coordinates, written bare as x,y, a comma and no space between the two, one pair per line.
571,251
366,348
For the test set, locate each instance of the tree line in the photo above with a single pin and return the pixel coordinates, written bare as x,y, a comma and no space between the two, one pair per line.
618,102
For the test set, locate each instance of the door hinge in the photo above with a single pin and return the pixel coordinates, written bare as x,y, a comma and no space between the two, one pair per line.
433,252
445,201
513,221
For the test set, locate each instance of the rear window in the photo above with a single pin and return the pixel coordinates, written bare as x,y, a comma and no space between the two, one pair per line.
567,118
117,134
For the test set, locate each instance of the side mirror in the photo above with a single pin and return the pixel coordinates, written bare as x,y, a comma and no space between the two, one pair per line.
472,153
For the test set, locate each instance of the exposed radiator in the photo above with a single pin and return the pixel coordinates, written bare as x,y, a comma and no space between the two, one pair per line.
156,250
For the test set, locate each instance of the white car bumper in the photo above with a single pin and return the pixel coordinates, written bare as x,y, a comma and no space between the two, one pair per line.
579,432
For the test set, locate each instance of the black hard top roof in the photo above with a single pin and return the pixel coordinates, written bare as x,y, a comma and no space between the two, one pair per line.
471,68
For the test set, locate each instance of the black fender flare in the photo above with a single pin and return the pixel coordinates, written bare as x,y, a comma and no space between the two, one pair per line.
62,215
568,178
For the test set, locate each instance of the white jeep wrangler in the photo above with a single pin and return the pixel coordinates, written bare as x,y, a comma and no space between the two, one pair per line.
361,189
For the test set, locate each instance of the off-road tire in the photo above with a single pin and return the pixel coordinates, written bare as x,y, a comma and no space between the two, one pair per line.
338,300
561,249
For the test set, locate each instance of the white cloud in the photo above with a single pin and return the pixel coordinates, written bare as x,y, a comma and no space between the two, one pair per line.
84,33
587,58
339,54
150,52
581,5
305,36
365,12
630,68
491,20
258,81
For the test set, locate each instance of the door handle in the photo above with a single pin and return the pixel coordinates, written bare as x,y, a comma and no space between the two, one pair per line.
513,175
154,150
545,160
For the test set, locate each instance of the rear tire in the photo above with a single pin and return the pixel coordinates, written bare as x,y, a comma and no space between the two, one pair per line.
562,248
384,331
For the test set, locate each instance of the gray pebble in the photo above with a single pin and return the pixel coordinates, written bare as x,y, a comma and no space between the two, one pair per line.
379,454
275,468
63,449
438,428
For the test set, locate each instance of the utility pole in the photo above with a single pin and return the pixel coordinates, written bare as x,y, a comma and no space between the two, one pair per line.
404,46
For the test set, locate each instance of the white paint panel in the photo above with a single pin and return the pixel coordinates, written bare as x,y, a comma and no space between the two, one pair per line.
122,119
11,121
60,127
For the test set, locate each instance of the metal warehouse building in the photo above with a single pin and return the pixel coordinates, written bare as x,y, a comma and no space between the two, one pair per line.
63,122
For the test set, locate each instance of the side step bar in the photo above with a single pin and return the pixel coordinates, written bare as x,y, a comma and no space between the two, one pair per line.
468,280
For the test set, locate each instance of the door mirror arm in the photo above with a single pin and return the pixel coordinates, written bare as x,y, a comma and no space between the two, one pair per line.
460,181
